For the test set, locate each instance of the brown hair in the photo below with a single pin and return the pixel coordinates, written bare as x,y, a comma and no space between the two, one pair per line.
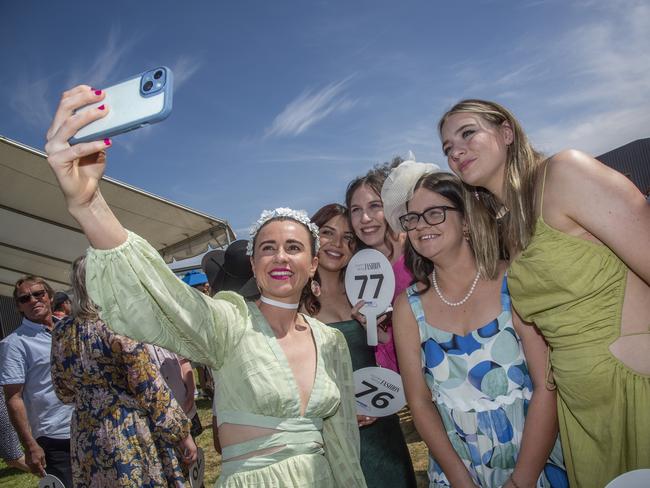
521,173
374,179
483,237
32,279
323,215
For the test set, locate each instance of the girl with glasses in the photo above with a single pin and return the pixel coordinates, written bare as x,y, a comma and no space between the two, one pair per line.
479,403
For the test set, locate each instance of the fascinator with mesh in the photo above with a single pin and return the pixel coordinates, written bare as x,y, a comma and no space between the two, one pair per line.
398,188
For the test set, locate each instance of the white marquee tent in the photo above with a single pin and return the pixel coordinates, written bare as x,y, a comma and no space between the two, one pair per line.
38,236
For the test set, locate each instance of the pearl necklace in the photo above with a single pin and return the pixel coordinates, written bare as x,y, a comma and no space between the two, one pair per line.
465,298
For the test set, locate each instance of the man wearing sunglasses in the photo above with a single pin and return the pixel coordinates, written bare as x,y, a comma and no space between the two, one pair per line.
40,419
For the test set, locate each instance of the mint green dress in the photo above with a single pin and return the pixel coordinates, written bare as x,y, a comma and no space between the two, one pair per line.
141,298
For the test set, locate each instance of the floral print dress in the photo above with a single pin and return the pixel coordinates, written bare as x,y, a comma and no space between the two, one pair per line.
125,423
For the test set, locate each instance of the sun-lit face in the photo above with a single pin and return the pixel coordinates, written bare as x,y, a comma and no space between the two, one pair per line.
336,244
476,150
282,261
431,240
367,216
39,307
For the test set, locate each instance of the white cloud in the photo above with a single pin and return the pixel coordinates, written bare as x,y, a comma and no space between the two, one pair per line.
309,108
184,68
106,61
31,101
606,92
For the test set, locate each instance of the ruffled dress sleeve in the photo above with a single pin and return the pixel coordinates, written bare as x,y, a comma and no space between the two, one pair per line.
141,298
341,431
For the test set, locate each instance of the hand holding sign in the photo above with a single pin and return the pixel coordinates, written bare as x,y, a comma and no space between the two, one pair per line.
50,481
197,470
378,392
369,277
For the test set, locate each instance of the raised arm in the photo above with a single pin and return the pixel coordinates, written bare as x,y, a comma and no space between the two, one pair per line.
582,193
418,396
79,168
541,426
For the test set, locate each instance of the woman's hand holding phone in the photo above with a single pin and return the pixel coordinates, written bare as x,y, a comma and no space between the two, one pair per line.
79,168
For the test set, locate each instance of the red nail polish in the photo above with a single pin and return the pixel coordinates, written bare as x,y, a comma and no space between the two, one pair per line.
107,142
101,107
98,92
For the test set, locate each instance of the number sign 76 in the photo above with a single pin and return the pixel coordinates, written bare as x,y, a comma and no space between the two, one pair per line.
364,278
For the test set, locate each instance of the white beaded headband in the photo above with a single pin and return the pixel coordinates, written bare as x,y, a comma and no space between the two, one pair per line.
297,215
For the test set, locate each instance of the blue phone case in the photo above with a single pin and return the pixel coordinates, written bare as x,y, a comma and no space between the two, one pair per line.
130,107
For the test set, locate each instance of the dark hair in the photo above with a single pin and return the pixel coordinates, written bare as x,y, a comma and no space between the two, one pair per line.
483,237
32,279
312,239
374,179
321,217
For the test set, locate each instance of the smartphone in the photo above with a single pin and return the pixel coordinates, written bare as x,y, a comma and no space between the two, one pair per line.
141,100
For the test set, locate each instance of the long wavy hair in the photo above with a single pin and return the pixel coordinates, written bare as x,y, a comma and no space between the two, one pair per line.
83,308
522,169
483,237
374,179
323,215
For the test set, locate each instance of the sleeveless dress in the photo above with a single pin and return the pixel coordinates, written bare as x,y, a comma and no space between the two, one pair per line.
385,458
573,290
481,387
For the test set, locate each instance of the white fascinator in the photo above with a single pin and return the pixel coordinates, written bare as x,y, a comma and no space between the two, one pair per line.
398,188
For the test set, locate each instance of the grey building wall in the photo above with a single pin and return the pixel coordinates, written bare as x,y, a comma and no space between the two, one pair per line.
633,160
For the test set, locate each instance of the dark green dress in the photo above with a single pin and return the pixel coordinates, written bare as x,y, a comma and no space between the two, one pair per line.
385,458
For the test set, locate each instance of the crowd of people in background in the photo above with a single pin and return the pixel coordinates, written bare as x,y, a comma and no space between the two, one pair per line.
520,329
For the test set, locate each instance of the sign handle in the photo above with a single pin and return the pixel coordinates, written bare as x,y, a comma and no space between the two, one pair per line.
371,329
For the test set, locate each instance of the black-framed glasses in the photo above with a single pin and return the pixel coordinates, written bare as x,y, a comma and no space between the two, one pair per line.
432,216
38,294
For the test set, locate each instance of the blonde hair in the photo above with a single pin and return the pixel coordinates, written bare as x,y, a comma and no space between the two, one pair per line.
83,308
520,180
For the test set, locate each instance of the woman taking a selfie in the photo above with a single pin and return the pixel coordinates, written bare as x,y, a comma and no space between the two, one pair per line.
286,405
385,458
577,234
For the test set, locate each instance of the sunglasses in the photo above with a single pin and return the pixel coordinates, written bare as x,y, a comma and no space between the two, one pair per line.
38,295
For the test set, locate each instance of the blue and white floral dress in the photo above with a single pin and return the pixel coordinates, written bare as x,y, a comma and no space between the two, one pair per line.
481,387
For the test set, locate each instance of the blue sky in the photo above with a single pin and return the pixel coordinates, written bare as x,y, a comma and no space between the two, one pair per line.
282,103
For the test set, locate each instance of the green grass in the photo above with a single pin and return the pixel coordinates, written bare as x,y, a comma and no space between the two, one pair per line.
11,478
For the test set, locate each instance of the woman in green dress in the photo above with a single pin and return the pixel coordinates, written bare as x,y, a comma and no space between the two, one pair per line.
385,458
286,399
577,234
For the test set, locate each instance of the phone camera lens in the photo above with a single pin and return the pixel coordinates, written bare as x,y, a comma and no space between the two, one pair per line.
148,85
158,74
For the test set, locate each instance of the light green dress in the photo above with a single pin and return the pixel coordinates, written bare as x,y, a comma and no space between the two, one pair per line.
573,290
141,298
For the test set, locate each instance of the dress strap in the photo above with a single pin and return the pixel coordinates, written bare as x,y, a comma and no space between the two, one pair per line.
505,294
416,303
541,196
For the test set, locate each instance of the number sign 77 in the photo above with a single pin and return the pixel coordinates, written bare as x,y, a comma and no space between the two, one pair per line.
364,278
